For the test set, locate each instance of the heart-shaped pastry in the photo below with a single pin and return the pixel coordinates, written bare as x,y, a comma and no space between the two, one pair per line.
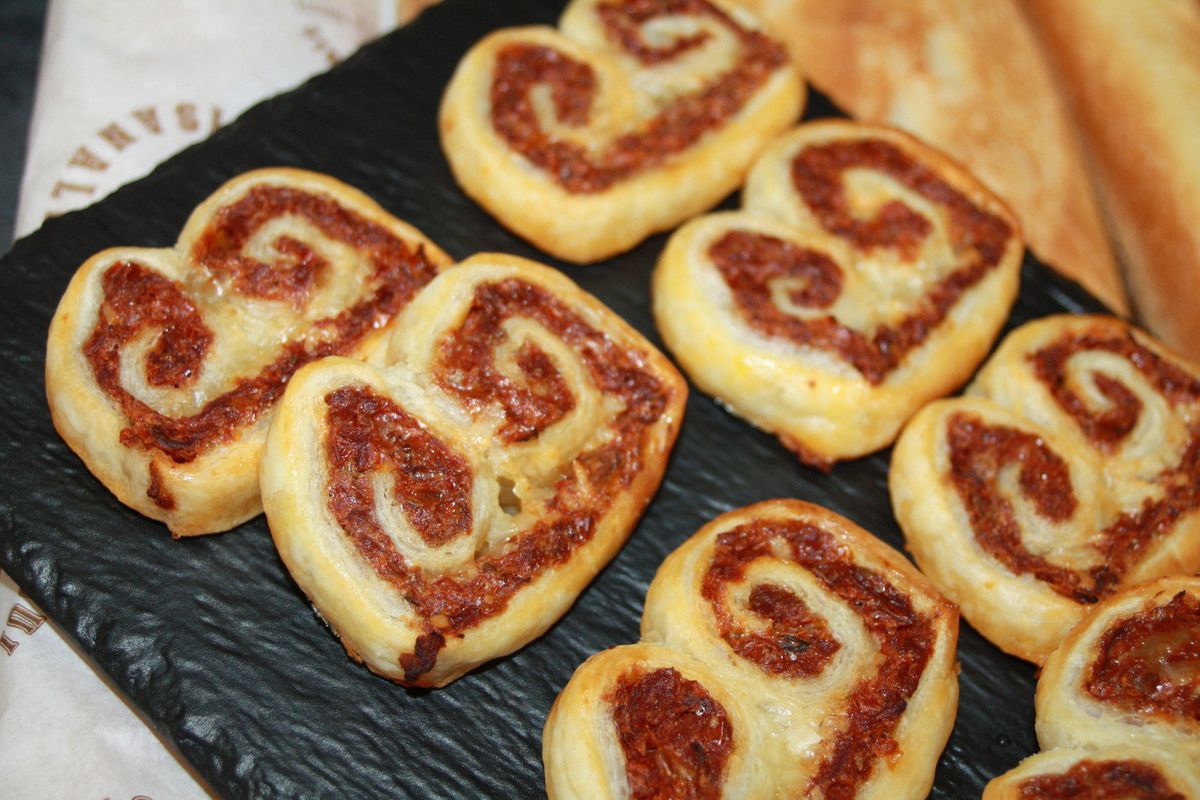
163,366
1118,701
1070,469
629,118
866,275
785,652
447,508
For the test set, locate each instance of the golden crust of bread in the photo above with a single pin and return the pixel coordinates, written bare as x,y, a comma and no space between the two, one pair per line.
936,70
769,609
800,324
446,508
602,174
1132,74
152,352
1066,472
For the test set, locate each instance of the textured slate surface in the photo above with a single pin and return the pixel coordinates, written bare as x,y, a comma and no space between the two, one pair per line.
213,640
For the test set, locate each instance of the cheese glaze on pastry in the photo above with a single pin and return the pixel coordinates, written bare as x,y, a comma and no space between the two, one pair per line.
866,275
1070,469
163,366
785,652
447,508
630,117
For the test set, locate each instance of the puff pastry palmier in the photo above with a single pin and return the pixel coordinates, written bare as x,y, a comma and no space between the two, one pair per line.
1070,469
163,366
447,508
785,652
1129,673
1128,771
865,276
630,117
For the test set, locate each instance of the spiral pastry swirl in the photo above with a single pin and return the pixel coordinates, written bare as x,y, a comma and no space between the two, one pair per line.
1118,701
446,508
785,652
1129,771
1129,672
163,366
630,117
866,275
1070,469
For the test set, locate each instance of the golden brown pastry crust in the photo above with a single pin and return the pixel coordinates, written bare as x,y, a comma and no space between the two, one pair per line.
447,508
581,747
163,365
1068,471
1112,769
1124,674
1118,702
830,329
931,68
1133,76
599,177
774,609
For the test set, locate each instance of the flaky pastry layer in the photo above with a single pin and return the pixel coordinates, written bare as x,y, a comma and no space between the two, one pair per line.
784,650
446,508
625,120
865,276
163,366
1068,471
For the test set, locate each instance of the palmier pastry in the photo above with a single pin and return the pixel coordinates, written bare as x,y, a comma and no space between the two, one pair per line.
447,508
1118,702
785,652
865,276
163,366
629,118
930,68
1128,771
1129,673
1070,469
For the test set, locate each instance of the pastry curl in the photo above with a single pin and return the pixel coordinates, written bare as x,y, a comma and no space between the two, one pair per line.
866,275
1118,702
804,656
447,508
163,366
1128,771
1129,673
1070,469
630,117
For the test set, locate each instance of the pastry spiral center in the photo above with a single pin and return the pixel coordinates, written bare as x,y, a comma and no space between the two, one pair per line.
556,525
1109,412
676,127
752,264
1107,425
904,638
675,737
1149,662
138,303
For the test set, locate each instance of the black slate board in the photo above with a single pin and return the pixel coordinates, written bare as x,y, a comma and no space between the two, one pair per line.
211,638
